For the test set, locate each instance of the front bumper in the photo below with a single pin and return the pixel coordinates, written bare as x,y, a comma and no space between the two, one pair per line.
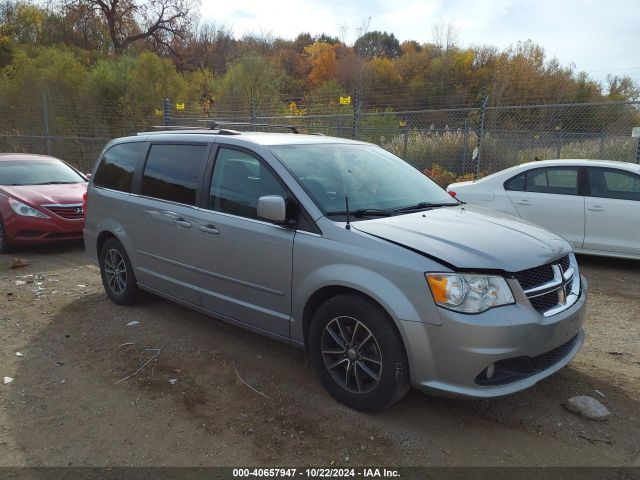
34,231
450,359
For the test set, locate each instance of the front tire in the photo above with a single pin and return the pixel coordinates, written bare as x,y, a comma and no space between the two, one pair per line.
358,354
116,271
4,241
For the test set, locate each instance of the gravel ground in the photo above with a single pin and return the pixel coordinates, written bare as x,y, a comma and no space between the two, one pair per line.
66,407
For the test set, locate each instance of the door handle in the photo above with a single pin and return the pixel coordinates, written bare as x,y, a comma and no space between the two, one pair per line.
596,208
524,202
182,223
209,229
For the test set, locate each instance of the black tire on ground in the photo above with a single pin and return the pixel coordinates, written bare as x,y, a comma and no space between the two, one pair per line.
116,271
358,354
4,243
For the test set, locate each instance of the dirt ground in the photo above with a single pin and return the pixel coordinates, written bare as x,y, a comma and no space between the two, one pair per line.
65,407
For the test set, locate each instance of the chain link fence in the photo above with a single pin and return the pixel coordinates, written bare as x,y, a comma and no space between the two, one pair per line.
465,141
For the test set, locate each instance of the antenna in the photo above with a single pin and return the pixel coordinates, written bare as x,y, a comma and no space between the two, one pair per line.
346,200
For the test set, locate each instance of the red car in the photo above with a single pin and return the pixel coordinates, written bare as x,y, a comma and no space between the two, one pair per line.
41,200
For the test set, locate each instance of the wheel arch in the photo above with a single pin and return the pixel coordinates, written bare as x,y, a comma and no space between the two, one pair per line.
327,292
102,238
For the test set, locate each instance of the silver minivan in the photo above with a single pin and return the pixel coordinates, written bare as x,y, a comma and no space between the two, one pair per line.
343,249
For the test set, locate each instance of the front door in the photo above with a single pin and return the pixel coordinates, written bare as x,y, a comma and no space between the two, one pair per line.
244,263
613,211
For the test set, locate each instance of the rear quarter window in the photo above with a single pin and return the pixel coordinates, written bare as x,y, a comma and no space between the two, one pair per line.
515,184
118,165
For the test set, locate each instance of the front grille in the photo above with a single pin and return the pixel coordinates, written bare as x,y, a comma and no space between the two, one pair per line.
546,285
63,235
564,263
546,360
513,369
69,212
534,276
29,233
545,302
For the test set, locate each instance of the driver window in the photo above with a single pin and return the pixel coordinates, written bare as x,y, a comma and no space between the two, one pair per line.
239,179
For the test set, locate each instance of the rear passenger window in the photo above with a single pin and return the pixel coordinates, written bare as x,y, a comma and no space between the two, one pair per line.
172,172
614,184
562,181
117,166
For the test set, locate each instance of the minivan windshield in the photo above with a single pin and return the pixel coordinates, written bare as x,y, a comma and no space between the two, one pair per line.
37,172
376,182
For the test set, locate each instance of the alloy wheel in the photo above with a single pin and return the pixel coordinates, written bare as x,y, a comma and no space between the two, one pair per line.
351,354
115,270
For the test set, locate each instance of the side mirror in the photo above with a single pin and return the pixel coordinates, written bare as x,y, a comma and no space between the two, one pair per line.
272,208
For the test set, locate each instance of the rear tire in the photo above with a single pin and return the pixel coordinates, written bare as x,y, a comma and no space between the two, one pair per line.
358,354
4,241
116,271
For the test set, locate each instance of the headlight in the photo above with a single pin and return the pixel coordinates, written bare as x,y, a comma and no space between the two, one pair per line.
25,210
469,293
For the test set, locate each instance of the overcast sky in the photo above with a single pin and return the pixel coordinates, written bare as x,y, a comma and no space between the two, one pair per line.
597,36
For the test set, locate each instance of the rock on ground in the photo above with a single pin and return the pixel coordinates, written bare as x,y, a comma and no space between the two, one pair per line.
587,407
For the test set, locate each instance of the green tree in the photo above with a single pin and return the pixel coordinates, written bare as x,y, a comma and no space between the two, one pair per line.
377,44
251,82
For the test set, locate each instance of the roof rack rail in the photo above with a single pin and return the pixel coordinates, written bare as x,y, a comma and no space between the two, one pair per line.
157,129
213,124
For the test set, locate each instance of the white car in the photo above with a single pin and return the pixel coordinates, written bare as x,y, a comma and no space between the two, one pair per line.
595,204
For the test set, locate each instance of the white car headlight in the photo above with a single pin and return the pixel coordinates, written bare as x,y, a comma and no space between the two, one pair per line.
469,293
25,210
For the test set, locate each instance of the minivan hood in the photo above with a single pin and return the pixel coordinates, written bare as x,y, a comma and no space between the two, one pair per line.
38,195
469,237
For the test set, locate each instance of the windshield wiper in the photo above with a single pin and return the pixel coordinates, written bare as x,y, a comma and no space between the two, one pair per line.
420,206
364,212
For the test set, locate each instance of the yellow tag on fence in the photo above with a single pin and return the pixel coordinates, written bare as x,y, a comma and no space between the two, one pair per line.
158,112
345,100
179,106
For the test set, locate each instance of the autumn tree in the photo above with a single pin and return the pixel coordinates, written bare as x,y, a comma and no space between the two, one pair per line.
322,58
622,88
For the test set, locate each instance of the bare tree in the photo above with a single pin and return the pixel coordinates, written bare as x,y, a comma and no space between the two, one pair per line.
445,35
128,21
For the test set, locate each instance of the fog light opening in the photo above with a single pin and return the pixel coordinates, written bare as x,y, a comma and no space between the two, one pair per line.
491,370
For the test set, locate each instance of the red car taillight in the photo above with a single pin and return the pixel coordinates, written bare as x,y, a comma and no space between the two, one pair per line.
84,204
452,193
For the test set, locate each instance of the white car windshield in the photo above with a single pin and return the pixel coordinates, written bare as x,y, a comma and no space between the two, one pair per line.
374,180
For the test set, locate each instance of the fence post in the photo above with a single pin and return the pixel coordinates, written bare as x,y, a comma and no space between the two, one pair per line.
638,151
406,139
483,109
45,113
465,146
601,146
356,115
252,115
166,112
